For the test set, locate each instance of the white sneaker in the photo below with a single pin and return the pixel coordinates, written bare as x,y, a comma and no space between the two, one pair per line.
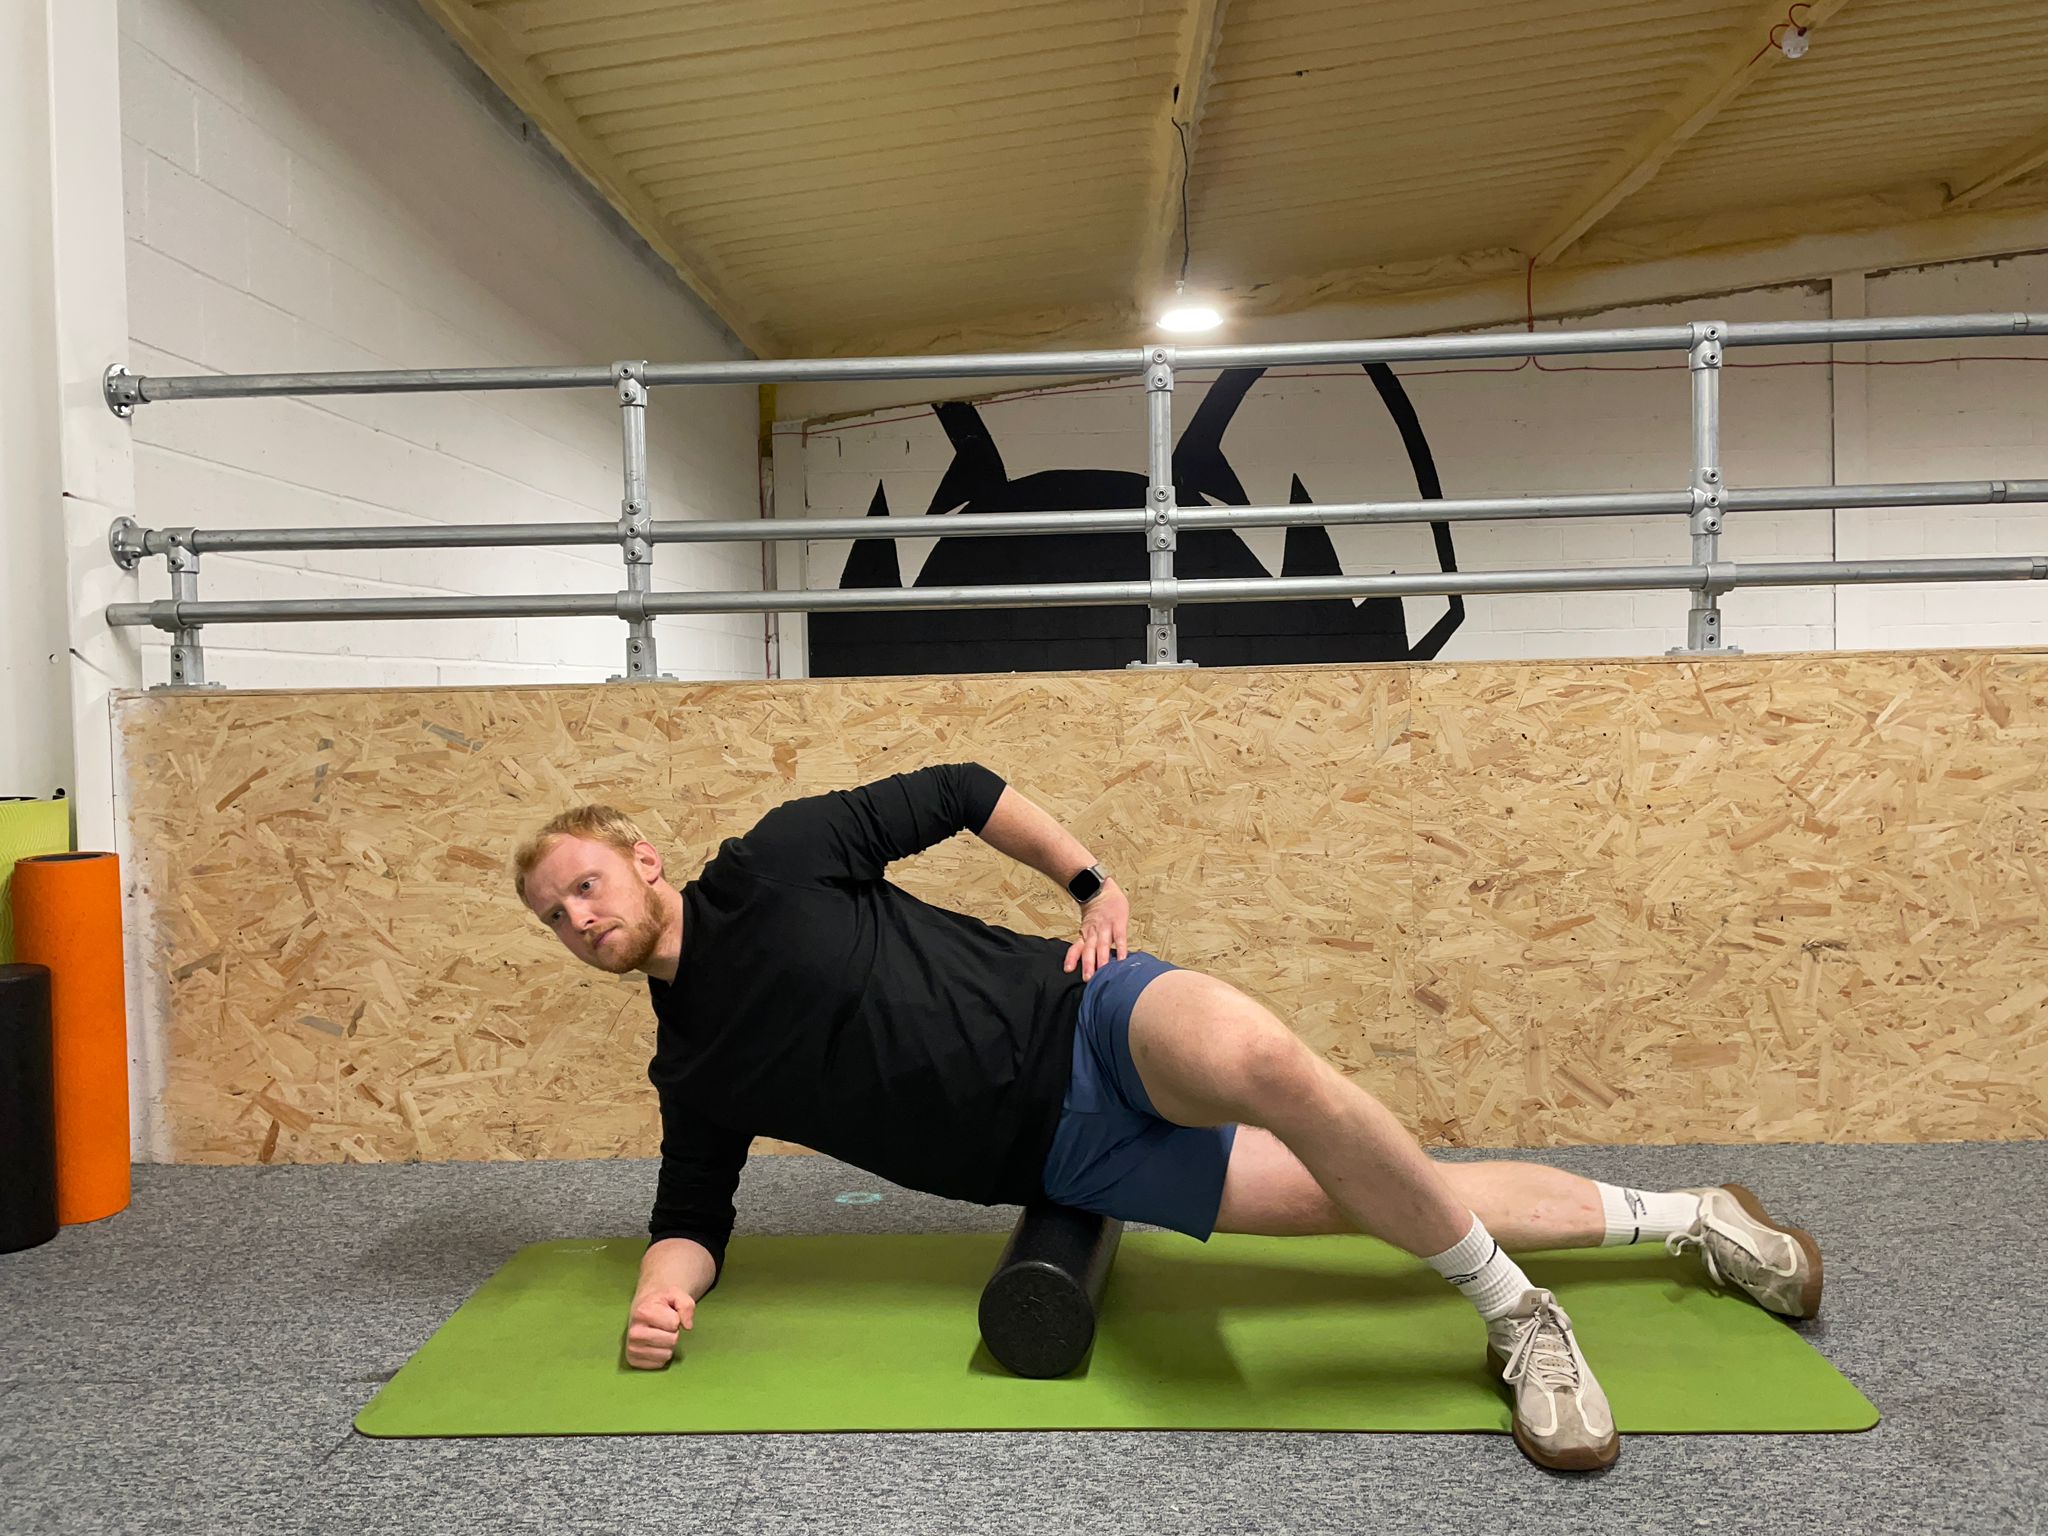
1778,1266
1562,1420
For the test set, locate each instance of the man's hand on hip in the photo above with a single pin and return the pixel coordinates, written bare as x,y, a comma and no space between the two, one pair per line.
1105,926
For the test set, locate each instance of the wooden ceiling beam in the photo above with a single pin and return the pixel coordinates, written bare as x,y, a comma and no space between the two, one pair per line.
1719,83
2022,159
501,56
1159,244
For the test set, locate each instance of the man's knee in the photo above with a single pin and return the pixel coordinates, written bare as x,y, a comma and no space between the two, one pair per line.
1216,1053
1272,1068
1280,1072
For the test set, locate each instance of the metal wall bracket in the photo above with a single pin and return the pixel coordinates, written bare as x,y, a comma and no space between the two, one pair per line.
126,542
122,389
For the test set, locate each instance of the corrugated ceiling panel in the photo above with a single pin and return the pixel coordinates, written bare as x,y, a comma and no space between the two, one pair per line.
837,170
889,164
1343,135
1893,92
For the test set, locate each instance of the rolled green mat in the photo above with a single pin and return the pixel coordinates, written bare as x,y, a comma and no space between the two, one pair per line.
27,828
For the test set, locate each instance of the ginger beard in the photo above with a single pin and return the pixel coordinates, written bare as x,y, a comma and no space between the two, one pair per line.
631,942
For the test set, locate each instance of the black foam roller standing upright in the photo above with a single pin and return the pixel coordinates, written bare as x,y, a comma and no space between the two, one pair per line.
28,1110
1038,1309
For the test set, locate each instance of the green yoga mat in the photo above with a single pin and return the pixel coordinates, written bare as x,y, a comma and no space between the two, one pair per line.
879,1333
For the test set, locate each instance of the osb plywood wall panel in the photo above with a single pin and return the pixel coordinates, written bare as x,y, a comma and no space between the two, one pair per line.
1527,904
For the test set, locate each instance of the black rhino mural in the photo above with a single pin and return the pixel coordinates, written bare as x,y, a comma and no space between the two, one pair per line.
1257,633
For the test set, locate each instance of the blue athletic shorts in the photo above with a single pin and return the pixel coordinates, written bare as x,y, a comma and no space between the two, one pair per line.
1112,1153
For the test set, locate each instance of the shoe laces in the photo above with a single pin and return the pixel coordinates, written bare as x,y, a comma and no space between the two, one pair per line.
1732,1250
1543,1351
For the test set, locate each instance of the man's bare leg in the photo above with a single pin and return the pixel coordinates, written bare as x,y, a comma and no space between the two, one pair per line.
1526,1206
1208,1055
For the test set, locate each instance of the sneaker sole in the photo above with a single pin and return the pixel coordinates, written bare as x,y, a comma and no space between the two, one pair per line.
1584,1459
1571,1461
1809,1293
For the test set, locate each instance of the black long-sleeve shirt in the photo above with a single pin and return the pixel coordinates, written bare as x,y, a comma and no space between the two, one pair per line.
817,1003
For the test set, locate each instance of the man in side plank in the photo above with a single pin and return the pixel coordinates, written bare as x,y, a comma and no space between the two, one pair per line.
800,995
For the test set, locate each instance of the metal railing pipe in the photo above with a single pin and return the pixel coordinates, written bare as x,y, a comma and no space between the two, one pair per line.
1720,576
1429,349
132,543
124,391
836,370
1820,573
1781,333
174,614
156,541
128,389
1932,493
1501,509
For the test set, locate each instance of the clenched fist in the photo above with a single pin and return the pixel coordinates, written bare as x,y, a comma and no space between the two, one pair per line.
661,1313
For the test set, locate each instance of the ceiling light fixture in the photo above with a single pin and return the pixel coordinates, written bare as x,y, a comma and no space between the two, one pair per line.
1794,43
1181,316
1184,317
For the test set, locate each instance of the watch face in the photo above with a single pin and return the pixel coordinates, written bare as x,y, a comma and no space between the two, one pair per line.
1086,885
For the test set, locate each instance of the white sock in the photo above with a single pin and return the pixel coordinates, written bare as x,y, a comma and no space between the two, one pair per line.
1642,1216
1491,1280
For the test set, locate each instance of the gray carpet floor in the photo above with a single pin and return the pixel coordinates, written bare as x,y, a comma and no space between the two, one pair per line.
195,1362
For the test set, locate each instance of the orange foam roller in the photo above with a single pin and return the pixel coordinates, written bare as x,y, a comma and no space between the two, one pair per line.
67,916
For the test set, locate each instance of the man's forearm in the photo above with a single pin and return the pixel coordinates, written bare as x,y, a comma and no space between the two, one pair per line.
1029,835
682,1261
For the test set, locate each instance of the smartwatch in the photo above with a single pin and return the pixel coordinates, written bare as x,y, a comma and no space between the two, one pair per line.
1088,884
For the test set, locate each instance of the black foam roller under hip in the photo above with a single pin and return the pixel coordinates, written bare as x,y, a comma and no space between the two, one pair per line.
1038,1309
28,1110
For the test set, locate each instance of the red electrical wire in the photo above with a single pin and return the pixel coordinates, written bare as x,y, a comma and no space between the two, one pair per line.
1528,322
808,432
1772,37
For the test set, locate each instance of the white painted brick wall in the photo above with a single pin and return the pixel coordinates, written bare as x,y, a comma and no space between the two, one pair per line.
321,185
1502,433
1959,421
